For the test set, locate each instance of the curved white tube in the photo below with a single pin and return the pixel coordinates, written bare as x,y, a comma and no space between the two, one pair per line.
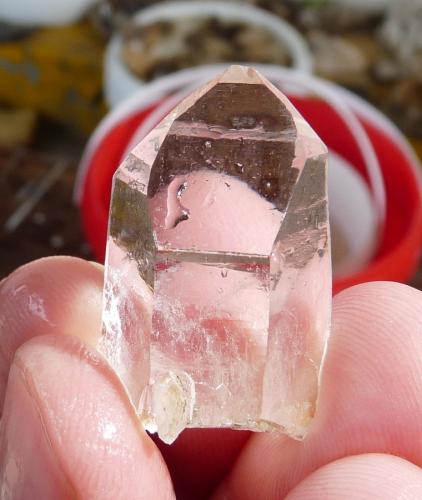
351,210
292,81
345,103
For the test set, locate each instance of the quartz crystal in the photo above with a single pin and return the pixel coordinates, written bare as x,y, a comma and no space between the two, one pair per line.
217,295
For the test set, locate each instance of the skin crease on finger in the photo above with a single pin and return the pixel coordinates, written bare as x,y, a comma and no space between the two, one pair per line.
60,295
68,430
370,398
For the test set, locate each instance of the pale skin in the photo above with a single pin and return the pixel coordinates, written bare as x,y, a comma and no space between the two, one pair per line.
68,430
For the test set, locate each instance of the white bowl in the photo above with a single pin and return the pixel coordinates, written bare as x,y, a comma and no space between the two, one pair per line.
43,12
352,216
120,82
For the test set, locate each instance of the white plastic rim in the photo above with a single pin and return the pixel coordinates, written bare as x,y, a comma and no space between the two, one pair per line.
347,104
344,102
351,213
43,12
351,209
349,117
120,82
288,80
351,205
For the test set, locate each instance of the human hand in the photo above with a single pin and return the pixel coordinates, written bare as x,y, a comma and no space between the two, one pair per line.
69,431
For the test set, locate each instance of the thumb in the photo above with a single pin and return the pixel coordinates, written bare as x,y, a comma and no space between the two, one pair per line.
68,430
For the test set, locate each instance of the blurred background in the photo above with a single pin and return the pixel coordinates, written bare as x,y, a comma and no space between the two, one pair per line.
65,65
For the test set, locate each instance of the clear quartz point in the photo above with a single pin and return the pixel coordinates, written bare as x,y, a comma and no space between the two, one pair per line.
217,297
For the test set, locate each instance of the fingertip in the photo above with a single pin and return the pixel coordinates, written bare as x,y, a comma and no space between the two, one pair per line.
374,352
55,295
375,476
395,298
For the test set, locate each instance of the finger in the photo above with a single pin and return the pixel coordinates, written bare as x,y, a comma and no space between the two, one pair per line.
68,430
370,399
374,476
60,295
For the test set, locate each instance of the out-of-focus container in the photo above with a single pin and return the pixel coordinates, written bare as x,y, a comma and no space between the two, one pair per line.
43,12
55,71
374,184
120,82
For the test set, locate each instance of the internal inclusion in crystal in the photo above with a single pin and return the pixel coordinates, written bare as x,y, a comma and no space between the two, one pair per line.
217,297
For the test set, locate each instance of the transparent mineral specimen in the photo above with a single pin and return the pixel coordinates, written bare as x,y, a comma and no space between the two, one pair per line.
217,297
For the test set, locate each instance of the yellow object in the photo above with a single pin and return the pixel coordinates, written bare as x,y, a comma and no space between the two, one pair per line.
56,71
16,127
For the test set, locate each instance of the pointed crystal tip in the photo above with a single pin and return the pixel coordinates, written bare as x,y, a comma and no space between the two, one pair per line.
218,278
241,74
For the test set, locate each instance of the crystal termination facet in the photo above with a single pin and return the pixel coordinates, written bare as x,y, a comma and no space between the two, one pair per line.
217,296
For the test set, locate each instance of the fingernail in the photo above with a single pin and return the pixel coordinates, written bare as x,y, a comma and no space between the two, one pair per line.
28,465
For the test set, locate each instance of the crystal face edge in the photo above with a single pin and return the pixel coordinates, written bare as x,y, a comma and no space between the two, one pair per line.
274,327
